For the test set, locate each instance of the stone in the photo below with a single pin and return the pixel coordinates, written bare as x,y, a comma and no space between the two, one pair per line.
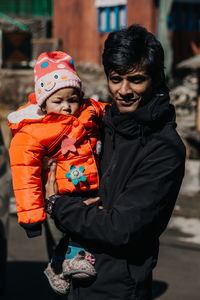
191,181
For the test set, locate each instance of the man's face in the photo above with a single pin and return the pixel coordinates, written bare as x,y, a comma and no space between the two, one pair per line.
129,90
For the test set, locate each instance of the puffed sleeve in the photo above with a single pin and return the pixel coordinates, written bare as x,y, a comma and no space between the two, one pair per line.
26,161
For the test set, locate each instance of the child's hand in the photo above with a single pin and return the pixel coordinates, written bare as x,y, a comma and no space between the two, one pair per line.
93,200
51,186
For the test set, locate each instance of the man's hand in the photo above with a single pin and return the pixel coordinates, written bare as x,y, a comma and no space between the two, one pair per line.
93,200
51,186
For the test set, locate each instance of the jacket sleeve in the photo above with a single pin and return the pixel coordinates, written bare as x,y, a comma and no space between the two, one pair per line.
26,161
143,208
99,108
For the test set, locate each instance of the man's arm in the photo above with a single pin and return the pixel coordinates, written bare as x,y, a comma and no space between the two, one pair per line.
143,208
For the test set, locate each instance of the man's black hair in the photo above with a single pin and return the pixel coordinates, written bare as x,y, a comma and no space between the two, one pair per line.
134,47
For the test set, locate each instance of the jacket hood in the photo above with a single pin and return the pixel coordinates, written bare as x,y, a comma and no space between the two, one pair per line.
32,113
28,113
144,120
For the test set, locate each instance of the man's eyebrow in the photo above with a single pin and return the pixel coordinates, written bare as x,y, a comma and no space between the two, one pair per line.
115,74
137,75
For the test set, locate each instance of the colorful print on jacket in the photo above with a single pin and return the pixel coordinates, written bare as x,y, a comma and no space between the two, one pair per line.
71,139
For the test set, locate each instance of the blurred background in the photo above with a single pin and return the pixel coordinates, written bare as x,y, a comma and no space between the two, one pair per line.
80,27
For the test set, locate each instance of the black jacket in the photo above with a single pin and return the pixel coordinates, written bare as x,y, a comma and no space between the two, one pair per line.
142,169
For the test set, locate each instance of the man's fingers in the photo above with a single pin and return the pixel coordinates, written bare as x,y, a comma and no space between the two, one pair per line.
91,200
47,162
51,161
51,185
52,168
100,207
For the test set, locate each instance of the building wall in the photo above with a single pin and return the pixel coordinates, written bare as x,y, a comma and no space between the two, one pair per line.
75,22
143,12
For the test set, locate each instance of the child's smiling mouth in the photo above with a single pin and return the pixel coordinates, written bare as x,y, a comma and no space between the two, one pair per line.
50,88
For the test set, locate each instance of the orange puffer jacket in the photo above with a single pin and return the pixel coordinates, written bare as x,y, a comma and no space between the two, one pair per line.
71,139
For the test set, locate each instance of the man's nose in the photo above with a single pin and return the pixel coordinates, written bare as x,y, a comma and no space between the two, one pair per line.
125,88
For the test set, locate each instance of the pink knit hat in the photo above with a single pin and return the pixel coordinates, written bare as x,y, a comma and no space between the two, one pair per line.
52,72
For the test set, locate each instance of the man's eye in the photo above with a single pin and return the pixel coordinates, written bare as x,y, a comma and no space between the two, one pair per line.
137,79
115,79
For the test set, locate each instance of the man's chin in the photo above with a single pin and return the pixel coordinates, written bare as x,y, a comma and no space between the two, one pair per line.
125,107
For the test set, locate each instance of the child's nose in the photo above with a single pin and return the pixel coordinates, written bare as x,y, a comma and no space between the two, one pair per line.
66,106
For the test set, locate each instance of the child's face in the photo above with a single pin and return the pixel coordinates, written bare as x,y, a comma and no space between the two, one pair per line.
64,101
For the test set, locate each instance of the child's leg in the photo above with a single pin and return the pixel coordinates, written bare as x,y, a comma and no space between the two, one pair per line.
53,236
78,263
54,271
60,250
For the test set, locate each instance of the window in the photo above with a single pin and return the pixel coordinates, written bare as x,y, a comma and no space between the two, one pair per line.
111,14
185,15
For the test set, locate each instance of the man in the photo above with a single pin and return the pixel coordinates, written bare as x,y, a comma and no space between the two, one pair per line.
142,168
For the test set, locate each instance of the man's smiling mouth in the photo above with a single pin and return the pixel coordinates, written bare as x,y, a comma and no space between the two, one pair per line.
128,101
50,88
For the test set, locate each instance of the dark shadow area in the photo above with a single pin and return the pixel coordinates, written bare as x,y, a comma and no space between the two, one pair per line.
25,280
158,288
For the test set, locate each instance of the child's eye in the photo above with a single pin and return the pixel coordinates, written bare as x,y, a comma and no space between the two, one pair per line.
74,100
56,76
56,101
41,84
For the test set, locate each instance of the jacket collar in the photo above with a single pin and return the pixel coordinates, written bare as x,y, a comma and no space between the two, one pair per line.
147,118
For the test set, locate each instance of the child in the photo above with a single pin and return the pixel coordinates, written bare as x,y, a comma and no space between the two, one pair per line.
59,124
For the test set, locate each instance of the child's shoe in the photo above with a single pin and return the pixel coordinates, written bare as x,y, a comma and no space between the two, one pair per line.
80,267
56,279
